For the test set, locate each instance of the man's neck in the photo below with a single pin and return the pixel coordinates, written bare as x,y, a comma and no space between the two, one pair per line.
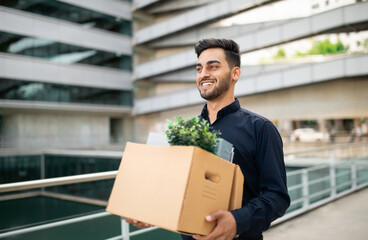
215,105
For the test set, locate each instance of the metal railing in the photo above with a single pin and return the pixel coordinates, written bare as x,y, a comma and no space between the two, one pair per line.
51,182
334,180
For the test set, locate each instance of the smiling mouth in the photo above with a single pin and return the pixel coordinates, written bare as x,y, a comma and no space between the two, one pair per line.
206,83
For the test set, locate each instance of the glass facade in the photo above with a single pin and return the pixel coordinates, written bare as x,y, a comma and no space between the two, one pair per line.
26,212
61,53
19,168
71,13
47,92
33,211
25,168
60,166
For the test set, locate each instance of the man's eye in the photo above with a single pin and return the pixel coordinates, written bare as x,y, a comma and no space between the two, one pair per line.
213,66
199,69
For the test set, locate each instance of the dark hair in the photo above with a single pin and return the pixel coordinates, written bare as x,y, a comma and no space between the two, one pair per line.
230,47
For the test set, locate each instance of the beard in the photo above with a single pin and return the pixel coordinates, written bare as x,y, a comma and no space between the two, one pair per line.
223,86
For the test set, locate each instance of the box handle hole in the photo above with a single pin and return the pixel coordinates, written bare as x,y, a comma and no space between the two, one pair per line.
212,177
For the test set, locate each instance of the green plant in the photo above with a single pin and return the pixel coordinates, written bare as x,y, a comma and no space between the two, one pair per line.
192,132
325,47
280,53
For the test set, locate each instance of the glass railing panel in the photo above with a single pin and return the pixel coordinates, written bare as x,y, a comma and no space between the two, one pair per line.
19,168
40,210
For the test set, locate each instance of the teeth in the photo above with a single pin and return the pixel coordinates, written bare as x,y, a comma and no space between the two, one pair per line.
206,84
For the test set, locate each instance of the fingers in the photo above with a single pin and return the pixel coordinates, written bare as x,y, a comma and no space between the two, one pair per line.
137,223
215,215
213,235
141,224
225,228
129,220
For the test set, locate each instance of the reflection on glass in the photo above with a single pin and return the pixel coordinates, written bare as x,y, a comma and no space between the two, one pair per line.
61,52
34,91
71,13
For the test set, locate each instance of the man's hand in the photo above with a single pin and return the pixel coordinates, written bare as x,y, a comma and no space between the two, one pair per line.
138,224
225,228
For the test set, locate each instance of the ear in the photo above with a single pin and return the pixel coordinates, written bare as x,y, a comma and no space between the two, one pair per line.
235,73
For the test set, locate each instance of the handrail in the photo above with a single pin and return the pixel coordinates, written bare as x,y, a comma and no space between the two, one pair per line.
63,152
355,181
111,174
25,185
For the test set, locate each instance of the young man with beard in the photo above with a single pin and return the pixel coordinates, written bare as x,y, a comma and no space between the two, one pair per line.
257,146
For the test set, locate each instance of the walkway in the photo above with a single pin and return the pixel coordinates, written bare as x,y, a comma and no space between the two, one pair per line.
343,219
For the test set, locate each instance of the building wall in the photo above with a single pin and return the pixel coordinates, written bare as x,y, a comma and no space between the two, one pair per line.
337,99
105,112
325,90
344,98
65,73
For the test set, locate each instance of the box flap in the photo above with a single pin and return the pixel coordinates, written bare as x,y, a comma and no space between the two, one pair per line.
207,191
152,168
237,190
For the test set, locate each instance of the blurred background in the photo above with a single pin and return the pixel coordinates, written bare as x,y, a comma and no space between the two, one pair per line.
93,74
80,78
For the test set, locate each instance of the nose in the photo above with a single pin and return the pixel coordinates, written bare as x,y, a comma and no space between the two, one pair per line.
203,74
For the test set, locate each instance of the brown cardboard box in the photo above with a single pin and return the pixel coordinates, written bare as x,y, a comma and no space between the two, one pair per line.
174,187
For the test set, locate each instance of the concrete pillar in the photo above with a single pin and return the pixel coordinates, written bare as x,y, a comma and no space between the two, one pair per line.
323,125
340,125
297,124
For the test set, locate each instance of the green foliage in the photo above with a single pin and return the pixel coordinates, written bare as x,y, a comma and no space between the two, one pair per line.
192,132
280,53
325,47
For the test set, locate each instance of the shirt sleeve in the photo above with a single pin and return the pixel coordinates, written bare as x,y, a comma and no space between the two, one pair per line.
256,215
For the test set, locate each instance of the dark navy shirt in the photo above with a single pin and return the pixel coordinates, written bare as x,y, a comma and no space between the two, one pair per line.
258,151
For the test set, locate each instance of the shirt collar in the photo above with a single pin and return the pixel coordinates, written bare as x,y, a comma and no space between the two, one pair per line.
233,107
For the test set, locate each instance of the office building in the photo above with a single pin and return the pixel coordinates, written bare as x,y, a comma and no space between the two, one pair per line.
65,73
78,74
325,91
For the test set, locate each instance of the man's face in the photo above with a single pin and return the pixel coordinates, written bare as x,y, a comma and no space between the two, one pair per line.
213,73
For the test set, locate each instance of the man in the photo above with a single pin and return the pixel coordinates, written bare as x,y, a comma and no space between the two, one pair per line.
257,146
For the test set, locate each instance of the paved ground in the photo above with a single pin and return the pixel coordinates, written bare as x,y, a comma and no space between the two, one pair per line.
343,219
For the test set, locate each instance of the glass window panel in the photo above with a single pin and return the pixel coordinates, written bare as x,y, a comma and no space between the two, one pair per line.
71,13
19,168
60,166
35,91
61,52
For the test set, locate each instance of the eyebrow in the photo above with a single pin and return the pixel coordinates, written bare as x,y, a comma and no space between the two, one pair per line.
209,62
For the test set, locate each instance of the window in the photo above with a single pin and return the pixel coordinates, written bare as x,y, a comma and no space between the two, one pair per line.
71,13
47,92
61,53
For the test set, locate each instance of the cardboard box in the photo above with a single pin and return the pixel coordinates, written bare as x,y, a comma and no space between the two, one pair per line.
174,187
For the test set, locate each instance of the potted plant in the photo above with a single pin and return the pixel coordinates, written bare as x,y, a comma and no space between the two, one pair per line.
196,132
192,132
